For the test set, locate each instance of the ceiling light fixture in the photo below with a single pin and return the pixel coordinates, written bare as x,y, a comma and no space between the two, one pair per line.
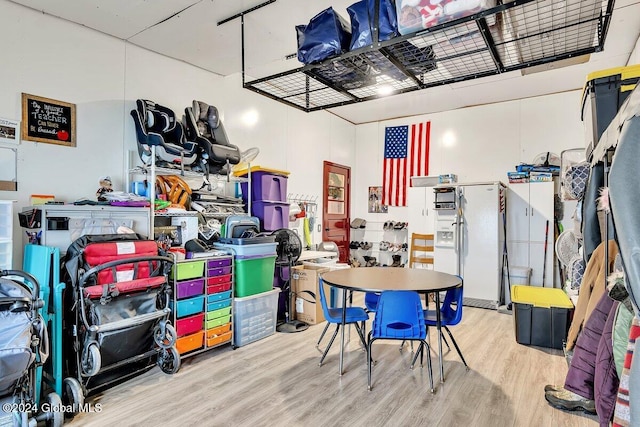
385,90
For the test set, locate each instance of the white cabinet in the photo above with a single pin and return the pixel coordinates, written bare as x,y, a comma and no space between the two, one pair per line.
421,213
529,207
6,234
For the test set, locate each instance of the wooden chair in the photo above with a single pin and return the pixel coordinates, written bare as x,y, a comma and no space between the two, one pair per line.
421,251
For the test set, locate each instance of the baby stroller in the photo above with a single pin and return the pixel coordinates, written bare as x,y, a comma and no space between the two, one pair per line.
117,310
24,347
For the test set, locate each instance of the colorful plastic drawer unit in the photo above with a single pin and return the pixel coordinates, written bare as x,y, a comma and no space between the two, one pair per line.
221,312
189,288
218,271
190,325
218,297
214,263
213,288
218,280
218,330
188,270
190,342
217,305
219,339
213,323
189,306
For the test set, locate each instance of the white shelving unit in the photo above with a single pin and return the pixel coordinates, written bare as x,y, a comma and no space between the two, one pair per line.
375,233
6,234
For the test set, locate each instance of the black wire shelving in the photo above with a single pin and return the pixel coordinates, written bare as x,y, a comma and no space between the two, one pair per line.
511,36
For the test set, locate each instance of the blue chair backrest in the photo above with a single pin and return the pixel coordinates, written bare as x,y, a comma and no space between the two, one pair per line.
452,307
371,300
399,315
325,306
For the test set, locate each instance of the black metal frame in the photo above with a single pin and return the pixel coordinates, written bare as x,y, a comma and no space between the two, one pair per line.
499,47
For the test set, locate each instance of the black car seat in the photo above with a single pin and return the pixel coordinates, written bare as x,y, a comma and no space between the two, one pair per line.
156,125
204,126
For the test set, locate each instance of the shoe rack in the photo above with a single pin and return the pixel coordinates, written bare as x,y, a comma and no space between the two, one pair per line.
380,243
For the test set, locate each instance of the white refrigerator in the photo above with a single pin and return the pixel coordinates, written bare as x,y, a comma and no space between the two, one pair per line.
469,238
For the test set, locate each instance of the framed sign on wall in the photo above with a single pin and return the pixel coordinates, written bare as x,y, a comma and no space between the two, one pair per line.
48,120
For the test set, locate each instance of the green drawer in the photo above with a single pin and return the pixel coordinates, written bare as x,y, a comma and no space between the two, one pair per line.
217,322
188,270
218,313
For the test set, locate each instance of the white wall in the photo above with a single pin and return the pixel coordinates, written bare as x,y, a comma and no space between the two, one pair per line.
634,58
478,143
103,76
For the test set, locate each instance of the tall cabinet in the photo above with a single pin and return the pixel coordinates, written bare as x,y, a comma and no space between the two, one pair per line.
6,234
421,210
529,207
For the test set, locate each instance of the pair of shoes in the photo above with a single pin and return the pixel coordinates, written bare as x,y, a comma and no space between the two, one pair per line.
358,223
396,261
384,246
400,225
552,387
569,401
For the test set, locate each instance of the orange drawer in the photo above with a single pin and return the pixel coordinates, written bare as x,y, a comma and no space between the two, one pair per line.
218,330
190,342
219,339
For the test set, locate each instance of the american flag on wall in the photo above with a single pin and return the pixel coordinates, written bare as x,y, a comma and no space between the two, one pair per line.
406,154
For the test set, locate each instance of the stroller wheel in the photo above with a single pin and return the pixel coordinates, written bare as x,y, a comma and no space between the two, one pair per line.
55,418
91,360
166,340
73,395
169,360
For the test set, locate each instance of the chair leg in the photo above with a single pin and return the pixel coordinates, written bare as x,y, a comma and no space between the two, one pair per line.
456,346
369,366
326,350
361,335
429,367
415,357
322,334
445,341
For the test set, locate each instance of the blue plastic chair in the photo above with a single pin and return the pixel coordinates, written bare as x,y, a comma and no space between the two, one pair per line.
371,301
399,316
450,315
334,315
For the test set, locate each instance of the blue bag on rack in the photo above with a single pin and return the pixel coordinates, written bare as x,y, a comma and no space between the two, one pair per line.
326,35
362,14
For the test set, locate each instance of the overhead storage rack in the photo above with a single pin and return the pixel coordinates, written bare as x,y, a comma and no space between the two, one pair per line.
511,36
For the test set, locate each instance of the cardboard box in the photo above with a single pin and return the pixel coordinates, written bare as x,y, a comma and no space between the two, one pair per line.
307,278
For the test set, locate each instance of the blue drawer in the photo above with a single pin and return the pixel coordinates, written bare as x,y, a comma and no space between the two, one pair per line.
218,305
218,297
187,307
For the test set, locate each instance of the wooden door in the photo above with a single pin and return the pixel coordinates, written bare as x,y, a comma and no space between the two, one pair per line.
336,196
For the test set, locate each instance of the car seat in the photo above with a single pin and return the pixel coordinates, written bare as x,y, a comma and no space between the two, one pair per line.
156,125
204,126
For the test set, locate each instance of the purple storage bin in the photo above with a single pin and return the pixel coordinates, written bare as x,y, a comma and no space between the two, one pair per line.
189,288
265,186
220,271
213,263
273,215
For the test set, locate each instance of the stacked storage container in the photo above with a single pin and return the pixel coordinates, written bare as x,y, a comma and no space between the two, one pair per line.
255,304
268,197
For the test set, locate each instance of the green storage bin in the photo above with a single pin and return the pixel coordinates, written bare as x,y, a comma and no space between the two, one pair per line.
541,315
253,275
217,322
223,312
188,270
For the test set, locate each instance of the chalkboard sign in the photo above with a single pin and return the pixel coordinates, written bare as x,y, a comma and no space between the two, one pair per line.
48,120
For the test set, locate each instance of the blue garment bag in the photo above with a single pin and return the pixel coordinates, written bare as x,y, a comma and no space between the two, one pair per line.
326,35
362,15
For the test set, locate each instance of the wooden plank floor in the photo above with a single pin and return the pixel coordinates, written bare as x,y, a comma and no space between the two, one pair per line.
277,381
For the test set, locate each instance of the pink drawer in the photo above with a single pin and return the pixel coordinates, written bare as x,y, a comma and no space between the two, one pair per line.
215,263
218,271
218,280
222,287
189,325
189,288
